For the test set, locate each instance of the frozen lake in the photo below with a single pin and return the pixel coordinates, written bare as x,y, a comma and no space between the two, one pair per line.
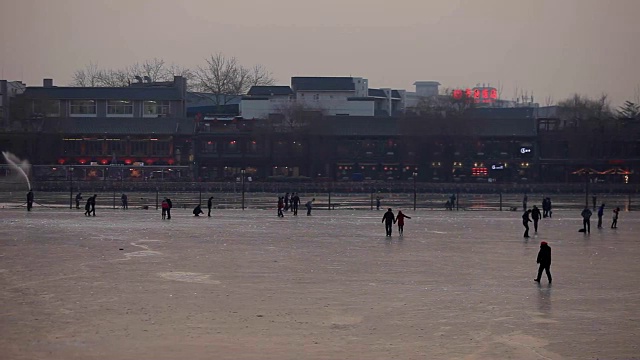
249,285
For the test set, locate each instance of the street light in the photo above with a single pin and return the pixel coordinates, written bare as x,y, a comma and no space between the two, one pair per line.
415,175
71,187
242,171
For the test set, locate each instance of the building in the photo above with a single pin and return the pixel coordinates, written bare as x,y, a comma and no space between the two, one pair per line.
8,91
331,96
143,124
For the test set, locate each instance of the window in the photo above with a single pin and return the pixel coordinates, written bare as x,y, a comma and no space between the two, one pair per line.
94,147
138,147
46,108
115,146
119,108
159,148
209,147
156,108
82,108
72,147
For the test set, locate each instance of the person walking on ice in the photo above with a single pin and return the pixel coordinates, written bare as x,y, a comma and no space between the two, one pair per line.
600,215
525,222
586,222
400,220
29,200
209,206
388,219
535,215
544,259
78,198
614,224
165,207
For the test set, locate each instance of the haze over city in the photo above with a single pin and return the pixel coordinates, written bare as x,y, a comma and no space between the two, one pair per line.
548,48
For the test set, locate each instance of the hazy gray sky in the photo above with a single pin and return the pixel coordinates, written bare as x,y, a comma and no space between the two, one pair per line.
548,47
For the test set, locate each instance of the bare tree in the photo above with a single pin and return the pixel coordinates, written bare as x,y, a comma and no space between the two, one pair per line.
226,78
154,70
87,77
295,115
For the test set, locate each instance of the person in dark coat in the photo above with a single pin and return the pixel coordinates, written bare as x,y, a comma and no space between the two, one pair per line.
400,220
125,201
169,208
87,207
197,210
29,200
280,206
377,202
295,201
209,206
544,259
586,222
535,215
600,215
525,222
93,205
388,219
78,198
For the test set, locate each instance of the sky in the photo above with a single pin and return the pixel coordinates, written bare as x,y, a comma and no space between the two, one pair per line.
548,48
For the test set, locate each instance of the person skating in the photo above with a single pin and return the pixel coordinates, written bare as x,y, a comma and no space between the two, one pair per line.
170,205
29,200
594,199
614,224
544,259
87,207
309,206
92,210
197,210
377,202
78,198
280,206
586,222
525,222
286,202
295,201
535,215
165,207
388,219
400,220
209,206
600,215
125,201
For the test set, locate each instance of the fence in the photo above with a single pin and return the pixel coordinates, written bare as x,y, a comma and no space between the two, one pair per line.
329,196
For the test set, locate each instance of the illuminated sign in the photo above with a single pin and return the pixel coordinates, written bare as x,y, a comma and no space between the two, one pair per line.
479,171
477,94
525,150
497,167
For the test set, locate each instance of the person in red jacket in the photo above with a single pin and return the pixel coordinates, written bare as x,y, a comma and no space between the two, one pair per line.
280,206
400,220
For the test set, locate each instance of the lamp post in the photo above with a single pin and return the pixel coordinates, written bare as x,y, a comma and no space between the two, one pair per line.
242,171
415,175
71,187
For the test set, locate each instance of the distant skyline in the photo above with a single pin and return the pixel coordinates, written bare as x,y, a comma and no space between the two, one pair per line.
551,48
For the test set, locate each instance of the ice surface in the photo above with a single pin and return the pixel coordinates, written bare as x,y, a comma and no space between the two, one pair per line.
248,285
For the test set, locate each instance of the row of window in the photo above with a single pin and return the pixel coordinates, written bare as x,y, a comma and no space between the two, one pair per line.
99,147
51,108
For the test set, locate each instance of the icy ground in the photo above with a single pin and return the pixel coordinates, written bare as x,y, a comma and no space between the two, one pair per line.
248,285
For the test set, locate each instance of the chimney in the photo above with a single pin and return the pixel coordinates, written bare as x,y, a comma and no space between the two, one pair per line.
47,83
